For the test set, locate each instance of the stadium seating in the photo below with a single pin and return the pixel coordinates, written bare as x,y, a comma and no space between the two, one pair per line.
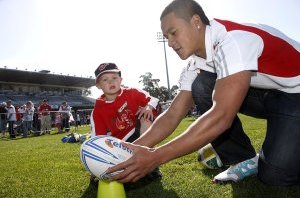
21,86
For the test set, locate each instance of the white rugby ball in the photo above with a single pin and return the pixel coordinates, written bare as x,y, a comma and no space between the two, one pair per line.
101,152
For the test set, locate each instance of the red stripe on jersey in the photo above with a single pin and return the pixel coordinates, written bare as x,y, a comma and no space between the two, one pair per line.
278,58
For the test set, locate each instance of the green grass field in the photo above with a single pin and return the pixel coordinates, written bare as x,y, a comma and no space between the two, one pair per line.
43,166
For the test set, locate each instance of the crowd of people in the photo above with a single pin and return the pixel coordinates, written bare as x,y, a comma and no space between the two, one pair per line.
40,119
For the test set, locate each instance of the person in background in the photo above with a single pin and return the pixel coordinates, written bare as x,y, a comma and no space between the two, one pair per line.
11,118
27,117
3,118
65,111
252,69
36,123
88,119
78,120
44,111
57,121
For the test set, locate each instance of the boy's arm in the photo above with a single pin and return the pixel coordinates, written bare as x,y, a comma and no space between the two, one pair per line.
93,130
153,102
148,102
98,126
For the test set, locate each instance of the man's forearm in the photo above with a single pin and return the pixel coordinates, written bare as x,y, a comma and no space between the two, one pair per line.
161,128
167,122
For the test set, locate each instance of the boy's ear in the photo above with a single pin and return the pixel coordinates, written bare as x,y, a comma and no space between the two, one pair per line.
98,85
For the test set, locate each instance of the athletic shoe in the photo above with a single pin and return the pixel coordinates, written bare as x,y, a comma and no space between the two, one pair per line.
239,171
209,157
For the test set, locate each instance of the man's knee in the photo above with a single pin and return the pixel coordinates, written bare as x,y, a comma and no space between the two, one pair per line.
272,175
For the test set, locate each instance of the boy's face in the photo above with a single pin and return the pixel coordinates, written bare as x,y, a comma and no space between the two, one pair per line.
110,83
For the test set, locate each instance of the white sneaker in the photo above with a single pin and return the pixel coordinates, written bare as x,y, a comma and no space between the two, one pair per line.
239,171
209,157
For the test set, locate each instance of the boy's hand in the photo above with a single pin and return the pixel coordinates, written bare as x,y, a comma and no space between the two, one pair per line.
145,112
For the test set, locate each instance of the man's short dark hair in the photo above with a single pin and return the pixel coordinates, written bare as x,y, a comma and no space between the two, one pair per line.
185,9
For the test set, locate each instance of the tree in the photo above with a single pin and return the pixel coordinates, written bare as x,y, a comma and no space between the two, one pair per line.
151,86
174,90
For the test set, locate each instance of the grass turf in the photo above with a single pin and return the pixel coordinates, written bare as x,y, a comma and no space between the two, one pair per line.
43,166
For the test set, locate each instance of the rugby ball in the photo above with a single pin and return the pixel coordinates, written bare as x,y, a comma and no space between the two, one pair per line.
99,153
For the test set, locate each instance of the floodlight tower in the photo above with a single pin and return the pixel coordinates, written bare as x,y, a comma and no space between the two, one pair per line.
161,38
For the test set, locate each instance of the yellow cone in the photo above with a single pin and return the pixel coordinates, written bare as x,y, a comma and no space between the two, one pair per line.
113,189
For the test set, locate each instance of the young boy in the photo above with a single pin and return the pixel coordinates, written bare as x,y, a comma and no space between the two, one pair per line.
124,113
118,111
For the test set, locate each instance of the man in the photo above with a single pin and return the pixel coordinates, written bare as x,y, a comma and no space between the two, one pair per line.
27,112
65,110
44,109
3,116
251,69
11,118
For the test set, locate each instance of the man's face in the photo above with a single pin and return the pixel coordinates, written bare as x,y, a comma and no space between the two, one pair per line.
182,36
186,37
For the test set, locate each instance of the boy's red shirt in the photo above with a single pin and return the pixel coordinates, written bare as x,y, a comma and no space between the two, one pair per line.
117,118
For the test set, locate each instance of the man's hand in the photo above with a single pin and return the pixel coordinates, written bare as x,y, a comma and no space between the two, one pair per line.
142,162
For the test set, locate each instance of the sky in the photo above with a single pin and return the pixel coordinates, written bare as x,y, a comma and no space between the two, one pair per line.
73,37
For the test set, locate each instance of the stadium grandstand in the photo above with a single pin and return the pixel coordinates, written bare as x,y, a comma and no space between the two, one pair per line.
20,86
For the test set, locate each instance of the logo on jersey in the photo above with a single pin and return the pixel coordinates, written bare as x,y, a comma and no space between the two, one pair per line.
125,117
